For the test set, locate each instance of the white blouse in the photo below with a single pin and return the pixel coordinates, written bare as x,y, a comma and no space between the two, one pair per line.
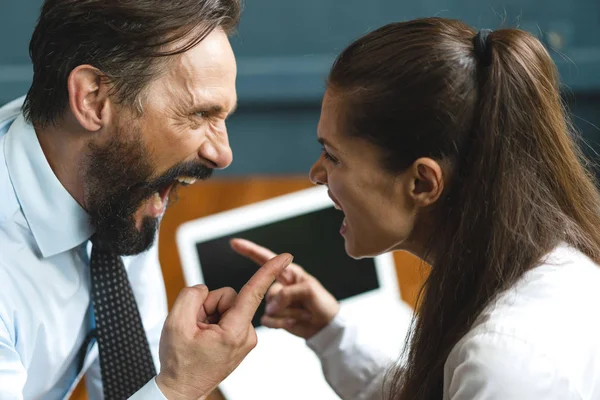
539,340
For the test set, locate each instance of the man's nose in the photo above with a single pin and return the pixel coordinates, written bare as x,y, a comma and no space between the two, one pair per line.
217,151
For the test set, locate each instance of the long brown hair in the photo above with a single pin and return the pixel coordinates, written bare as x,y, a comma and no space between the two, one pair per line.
516,185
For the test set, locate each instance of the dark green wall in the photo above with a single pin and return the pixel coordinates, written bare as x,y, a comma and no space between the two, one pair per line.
285,48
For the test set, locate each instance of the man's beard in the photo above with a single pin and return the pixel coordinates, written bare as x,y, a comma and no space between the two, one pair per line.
118,179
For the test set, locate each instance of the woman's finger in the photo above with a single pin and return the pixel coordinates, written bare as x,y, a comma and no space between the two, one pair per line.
300,293
292,274
273,291
277,323
251,250
293,313
261,255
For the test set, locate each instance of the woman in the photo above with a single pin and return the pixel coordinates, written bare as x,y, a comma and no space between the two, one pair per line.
454,145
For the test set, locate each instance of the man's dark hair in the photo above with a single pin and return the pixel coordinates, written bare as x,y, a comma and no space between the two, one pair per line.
128,40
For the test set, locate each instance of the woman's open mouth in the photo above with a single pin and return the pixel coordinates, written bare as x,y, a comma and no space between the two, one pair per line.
337,206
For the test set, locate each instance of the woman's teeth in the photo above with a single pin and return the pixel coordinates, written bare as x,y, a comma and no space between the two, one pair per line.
186,180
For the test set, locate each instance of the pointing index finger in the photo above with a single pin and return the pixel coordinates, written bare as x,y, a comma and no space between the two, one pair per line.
251,295
251,250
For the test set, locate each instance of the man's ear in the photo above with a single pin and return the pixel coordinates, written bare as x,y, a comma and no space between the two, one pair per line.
88,97
427,181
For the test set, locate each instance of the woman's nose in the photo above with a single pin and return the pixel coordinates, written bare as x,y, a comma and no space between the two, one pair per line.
318,174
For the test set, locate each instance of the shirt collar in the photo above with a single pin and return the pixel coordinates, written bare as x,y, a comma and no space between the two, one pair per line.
57,221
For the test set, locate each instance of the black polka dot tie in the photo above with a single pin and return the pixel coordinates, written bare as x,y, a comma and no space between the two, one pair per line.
125,360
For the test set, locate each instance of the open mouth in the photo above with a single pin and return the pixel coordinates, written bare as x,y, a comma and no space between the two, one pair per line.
161,197
186,180
337,206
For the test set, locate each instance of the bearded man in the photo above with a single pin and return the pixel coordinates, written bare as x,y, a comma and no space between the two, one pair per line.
128,101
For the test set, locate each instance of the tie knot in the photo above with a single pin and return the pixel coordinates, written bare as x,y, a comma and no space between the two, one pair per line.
101,246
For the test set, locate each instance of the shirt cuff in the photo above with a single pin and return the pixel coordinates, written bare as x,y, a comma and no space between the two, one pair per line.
150,391
328,336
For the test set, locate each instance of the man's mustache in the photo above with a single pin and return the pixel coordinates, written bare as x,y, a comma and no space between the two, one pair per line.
189,170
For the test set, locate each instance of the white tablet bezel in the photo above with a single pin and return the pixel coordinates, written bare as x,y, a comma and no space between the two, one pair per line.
262,213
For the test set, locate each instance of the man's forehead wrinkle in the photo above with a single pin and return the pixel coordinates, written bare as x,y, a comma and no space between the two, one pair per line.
199,79
190,93
181,82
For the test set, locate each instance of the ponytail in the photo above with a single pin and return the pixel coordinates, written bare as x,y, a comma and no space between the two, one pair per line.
488,107
519,189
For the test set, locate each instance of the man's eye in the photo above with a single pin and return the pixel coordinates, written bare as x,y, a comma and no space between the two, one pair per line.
202,114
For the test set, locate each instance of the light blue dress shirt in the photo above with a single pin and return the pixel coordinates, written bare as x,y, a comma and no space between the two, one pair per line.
45,302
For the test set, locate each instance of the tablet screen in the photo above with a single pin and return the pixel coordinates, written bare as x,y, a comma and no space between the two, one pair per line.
314,240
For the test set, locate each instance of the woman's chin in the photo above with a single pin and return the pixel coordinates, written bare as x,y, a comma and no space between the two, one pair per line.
358,249
358,252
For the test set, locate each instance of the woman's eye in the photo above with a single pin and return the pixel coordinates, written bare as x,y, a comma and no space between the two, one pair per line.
328,156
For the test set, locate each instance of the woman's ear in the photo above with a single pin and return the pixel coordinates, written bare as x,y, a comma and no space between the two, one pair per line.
427,181
88,97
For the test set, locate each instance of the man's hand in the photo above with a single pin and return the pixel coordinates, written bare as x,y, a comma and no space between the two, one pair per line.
207,334
297,302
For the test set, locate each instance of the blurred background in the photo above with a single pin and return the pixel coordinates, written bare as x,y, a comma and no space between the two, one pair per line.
284,50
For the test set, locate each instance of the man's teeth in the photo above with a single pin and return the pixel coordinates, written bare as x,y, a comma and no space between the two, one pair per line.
186,179
158,203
